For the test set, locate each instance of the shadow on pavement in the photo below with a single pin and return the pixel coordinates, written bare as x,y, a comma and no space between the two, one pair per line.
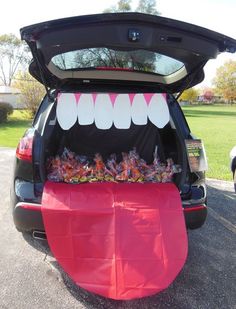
40,245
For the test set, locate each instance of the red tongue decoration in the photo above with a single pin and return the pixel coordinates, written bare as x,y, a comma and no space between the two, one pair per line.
119,240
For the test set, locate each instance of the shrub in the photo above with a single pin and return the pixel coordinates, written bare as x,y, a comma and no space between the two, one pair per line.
32,91
5,110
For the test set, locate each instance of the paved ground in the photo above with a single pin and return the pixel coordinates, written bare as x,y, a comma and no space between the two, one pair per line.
31,278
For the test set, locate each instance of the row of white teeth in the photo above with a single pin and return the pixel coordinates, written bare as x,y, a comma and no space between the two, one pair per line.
106,110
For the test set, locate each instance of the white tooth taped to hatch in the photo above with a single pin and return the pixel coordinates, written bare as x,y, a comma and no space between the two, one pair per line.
122,112
139,110
66,110
86,109
158,111
103,112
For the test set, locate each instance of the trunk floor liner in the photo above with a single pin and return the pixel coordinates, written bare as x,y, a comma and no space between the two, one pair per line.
119,240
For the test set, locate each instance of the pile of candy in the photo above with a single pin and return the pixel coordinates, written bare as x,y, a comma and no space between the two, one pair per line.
72,168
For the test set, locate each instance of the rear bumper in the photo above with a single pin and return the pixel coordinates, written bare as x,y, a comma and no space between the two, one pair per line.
28,216
195,216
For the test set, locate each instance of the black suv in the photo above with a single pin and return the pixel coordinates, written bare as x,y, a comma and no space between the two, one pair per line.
84,63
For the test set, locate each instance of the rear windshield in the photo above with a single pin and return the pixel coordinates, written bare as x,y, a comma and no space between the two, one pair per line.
136,60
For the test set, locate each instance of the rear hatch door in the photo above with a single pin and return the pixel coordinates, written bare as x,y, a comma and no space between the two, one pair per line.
122,47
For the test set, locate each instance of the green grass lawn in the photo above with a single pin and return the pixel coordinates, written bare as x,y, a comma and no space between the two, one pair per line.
13,129
216,126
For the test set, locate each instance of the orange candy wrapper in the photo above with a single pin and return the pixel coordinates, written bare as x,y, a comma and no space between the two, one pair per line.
72,168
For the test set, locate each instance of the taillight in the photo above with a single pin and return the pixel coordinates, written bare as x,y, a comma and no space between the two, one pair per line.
24,148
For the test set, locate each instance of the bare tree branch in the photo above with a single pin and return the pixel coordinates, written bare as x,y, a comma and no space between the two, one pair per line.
13,55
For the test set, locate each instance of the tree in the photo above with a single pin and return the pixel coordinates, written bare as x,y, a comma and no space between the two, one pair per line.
148,7
189,95
13,54
31,89
144,6
122,6
225,81
104,57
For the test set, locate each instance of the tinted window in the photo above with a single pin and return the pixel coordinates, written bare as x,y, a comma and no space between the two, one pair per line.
136,60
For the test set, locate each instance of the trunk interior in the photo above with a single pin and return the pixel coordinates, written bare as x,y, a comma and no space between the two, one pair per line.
88,140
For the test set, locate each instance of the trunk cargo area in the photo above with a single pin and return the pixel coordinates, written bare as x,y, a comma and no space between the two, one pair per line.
89,139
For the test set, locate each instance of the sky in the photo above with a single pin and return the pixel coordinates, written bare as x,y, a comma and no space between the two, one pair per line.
217,15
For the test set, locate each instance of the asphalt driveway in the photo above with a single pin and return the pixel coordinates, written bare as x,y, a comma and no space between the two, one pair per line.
31,278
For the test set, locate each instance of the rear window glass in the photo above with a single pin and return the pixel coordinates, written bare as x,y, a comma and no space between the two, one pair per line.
136,60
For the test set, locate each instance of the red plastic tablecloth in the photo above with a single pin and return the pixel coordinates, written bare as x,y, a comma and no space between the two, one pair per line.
119,240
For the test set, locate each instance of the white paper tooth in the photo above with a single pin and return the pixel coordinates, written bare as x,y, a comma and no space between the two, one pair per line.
122,112
158,111
139,109
66,110
103,112
85,109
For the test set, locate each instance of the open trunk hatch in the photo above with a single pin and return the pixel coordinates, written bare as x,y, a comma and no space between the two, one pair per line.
122,47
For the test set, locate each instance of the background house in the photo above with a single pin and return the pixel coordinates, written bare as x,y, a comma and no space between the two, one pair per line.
12,96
